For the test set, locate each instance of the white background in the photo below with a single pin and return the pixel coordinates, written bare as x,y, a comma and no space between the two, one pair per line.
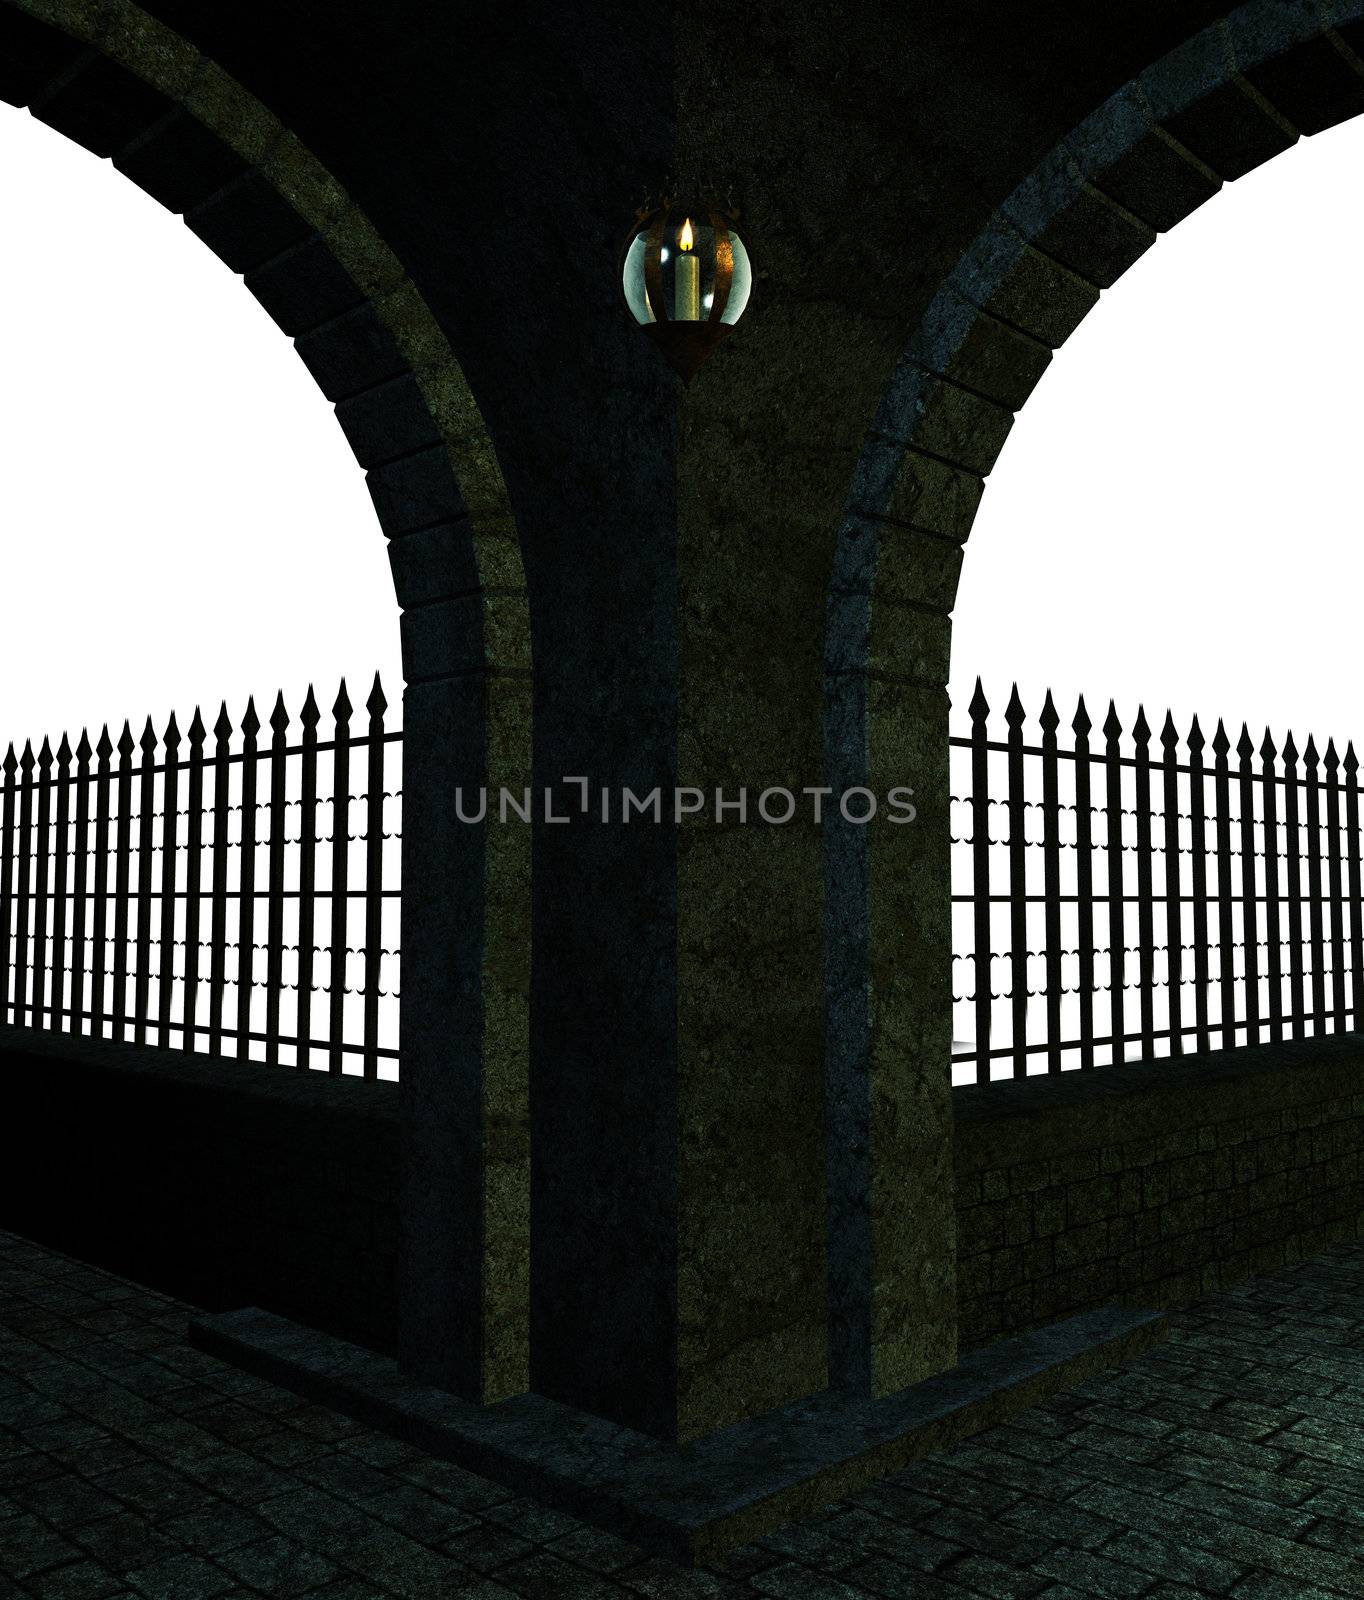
1176,515
183,519
1175,518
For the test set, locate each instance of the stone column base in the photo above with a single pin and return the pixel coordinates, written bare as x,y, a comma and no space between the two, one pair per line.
693,1502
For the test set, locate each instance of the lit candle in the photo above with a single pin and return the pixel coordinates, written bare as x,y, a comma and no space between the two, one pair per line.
687,292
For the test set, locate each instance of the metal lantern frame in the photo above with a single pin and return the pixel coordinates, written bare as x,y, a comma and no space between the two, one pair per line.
686,345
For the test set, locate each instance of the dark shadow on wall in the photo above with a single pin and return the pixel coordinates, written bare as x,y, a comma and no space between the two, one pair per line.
222,1183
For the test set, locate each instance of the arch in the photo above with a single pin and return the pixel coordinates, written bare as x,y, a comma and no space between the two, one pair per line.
129,89
1231,97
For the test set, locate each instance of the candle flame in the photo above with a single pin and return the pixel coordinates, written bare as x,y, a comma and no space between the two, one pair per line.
684,238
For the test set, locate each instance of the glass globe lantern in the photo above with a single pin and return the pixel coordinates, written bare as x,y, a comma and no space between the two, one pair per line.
686,277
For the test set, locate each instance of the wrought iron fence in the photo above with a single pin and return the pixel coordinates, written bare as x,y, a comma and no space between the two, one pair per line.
56,902
1115,905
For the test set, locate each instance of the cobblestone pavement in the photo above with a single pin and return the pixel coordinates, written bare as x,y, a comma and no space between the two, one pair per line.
1227,1461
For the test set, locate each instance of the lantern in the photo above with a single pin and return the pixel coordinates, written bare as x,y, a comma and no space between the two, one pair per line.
686,277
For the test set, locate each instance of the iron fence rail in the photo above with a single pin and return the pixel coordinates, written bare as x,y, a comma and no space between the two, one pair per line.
49,873
1111,904
1148,901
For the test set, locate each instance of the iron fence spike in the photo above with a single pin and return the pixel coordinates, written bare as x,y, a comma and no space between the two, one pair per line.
1014,713
980,706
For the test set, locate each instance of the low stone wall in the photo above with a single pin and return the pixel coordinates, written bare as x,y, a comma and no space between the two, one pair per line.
234,1184
224,1183
1151,1185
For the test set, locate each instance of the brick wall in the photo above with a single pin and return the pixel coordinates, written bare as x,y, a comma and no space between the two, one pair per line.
227,1184
232,1184
1152,1184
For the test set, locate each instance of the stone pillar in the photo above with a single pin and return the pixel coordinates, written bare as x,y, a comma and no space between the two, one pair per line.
741,1130
465,1251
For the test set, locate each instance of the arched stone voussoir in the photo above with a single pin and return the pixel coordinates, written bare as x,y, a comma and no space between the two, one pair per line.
925,492
33,55
305,288
1196,94
1095,237
1059,212
914,568
1156,150
102,106
439,639
417,490
248,222
294,172
180,162
353,352
909,641
1125,169
1006,274
389,420
125,86
1315,81
216,99
1159,181
433,564
954,423
1095,205
979,352
1345,19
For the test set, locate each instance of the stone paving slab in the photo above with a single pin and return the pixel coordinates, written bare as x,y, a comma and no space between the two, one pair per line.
1226,1461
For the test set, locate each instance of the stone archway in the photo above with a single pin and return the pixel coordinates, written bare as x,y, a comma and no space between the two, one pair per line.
1234,95
128,89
